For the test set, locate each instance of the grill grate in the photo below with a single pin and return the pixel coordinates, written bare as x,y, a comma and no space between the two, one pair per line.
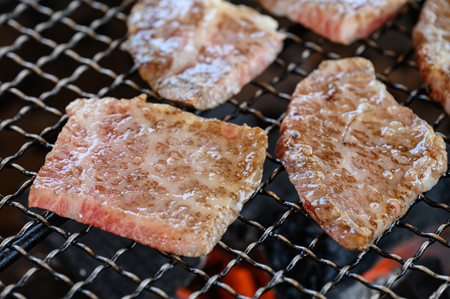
52,52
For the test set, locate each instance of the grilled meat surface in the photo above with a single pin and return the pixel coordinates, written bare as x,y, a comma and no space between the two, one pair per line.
431,39
341,21
151,173
357,159
200,52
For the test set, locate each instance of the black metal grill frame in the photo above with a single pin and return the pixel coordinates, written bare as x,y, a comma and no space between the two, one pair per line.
20,244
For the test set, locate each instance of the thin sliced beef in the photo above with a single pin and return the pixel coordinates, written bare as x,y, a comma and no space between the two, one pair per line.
151,173
431,39
200,52
357,159
341,21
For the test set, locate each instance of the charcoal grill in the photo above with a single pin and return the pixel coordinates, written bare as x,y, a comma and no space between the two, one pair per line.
52,52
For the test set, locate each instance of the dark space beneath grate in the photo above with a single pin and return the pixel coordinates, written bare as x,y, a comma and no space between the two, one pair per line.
52,52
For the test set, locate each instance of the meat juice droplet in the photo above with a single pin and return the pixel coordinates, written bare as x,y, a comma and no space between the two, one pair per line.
229,131
387,174
396,207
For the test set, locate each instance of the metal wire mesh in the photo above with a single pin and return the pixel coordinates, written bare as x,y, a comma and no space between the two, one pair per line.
52,52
